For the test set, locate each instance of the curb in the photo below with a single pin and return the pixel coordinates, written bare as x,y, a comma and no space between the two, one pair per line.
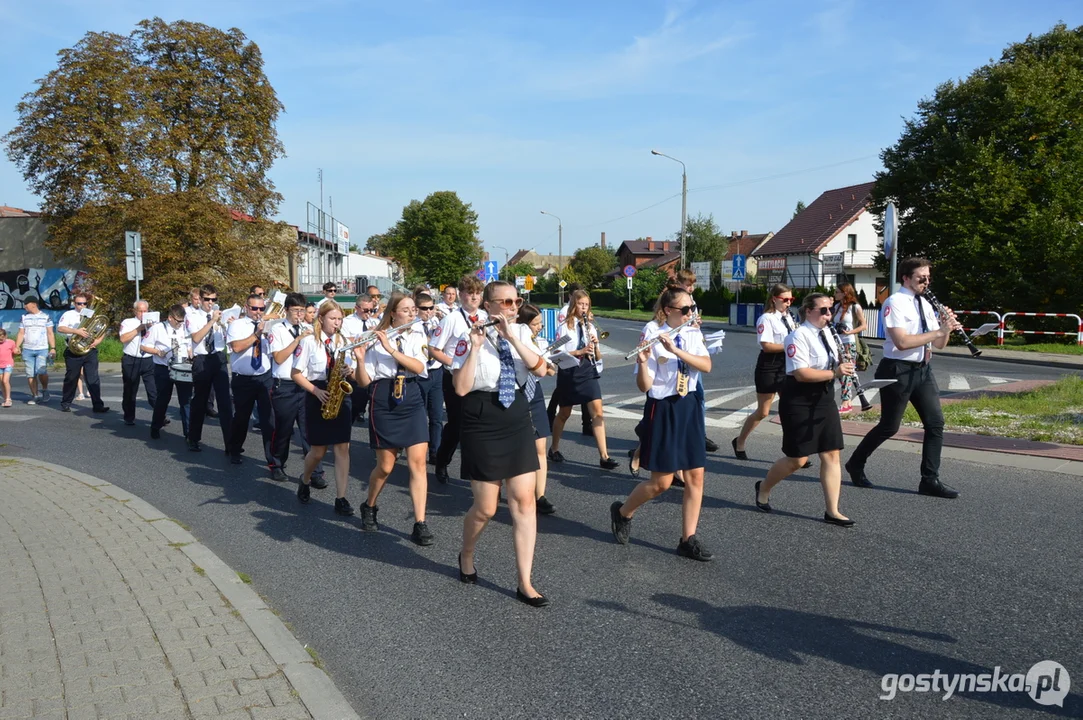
315,688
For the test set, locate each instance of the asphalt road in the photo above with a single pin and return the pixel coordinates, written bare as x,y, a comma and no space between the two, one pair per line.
793,618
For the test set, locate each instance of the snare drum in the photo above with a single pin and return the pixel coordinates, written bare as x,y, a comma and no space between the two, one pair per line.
180,372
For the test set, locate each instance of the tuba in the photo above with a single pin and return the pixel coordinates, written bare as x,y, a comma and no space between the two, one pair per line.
96,325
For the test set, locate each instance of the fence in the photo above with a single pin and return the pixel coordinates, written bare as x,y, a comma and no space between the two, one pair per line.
1078,325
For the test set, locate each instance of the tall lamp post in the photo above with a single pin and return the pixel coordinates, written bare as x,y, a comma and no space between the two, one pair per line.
560,251
684,200
498,247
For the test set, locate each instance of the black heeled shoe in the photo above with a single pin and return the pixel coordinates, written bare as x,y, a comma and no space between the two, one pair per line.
838,521
472,578
537,602
739,454
762,507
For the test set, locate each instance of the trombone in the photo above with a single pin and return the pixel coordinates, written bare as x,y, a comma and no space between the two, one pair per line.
671,332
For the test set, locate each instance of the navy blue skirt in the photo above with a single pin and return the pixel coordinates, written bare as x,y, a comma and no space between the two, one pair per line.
672,433
497,442
577,385
400,426
539,415
810,420
322,432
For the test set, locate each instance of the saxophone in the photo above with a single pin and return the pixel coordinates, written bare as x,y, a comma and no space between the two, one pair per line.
96,325
337,387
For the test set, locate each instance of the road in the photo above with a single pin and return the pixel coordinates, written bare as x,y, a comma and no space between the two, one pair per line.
793,618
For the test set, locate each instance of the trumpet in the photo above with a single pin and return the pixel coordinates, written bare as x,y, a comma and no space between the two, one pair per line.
658,338
602,334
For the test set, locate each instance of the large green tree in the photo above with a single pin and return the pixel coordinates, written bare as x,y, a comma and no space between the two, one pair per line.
705,243
436,240
988,180
169,130
589,266
521,268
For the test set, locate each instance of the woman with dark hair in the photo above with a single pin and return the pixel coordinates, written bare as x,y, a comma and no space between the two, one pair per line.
810,420
849,320
579,384
490,373
530,315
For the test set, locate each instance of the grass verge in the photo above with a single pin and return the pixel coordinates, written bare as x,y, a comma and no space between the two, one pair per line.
1053,413
1059,348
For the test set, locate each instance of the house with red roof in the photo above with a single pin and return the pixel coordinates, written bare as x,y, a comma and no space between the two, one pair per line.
832,240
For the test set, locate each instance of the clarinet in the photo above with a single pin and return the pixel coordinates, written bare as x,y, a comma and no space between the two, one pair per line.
974,351
858,390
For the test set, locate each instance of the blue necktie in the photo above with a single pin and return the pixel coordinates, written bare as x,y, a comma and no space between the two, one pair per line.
582,342
257,353
506,385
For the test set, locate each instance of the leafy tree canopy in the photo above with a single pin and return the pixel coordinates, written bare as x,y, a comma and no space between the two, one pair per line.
705,243
647,285
987,180
589,266
798,208
509,272
436,240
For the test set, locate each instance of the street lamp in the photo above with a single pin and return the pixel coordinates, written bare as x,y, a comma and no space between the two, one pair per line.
498,247
560,250
684,199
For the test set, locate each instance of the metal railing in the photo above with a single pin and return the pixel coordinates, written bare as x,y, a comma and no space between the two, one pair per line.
1078,322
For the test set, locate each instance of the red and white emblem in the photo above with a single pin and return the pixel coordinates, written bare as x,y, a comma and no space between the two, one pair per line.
439,329
297,350
791,350
460,348
887,310
759,328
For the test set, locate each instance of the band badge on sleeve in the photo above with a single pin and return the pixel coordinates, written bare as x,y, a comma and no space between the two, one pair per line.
887,310
759,328
460,348
297,351
437,331
791,350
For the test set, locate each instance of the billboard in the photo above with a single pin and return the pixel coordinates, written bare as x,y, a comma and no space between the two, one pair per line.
342,237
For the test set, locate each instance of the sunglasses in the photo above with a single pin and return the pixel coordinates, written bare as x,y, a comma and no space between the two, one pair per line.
79,303
375,297
685,309
365,312
426,307
922,280
253,308
785,300
258,294
210,299
508,302
823,311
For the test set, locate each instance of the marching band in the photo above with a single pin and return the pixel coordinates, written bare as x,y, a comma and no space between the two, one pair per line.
476,358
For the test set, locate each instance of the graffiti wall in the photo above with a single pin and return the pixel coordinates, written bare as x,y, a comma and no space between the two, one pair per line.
52,287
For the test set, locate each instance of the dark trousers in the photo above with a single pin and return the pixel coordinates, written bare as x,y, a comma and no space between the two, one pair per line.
251,391
88,365
165,385
551,411
915,385
209,371
449,437
288,404
432,394
134,370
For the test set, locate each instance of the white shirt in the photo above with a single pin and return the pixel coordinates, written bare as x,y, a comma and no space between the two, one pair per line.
562,314
805,349
381,366
132,347
429,328
901,311
487,369
573,332
194,322
241,362
161,337
846,320
649,330
70,319
771,327
35,327
353,325
663,364
446,309
455,327
310,357
322,301
281,336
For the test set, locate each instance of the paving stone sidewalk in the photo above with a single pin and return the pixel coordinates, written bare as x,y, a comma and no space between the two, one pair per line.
101,616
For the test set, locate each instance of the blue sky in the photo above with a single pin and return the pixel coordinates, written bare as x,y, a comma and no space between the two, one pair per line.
528,106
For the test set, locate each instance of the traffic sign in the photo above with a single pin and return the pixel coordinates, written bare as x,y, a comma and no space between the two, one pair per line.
520,281
891,229
563,284
135,267
832,263
528,285
629,280
738,267
702,271
481,274
491,268
629,271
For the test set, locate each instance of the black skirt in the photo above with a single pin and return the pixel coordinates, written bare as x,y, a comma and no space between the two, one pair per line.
770,372
400,426
497,442
538,414
673,434
578,385
326,432
810,420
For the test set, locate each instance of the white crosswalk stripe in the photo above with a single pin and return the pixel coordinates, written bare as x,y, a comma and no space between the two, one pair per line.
958,382
996,380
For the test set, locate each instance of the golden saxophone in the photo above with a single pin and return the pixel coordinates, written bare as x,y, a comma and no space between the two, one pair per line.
337,387
96,326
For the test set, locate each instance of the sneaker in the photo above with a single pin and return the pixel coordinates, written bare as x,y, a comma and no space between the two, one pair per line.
544,506
421,534
317,481
279,475
343,507
692,549
33,400
622,526
846,408
45,396
303,492
609,464
368,518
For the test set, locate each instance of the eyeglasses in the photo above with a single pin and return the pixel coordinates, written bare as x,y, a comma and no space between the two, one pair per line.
375,296
258,294
685,309
508,302
426,307
80,303
253,308
922,280
210,299
824,310
785,300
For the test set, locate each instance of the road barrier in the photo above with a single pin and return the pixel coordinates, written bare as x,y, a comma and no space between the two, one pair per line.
1078,324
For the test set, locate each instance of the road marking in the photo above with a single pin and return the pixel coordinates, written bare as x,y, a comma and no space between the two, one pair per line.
958,382
715,402
13,417
996,380
735,419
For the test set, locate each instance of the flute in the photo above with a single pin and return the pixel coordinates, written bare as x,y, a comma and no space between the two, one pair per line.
974,351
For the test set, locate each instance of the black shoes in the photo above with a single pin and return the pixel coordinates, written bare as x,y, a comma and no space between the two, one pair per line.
342,507
739,454
212,413
193,446
677,482
317,482
129,422
472,578
544,506
536,602
235,458
857,475
838,521
65,408
441,474
555,456
712,446
368,518
633,468
622,526
808,464
421,535
155,433
278,475
937,489
609,464
100,410
694,550
762,507
303,493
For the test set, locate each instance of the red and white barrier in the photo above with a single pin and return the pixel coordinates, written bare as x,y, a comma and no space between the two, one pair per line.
1078,322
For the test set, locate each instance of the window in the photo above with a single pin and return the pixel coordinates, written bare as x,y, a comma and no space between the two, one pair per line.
851,242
